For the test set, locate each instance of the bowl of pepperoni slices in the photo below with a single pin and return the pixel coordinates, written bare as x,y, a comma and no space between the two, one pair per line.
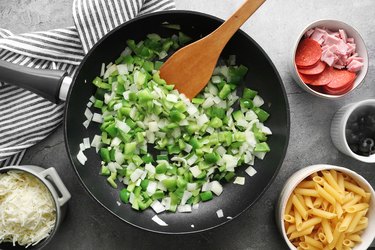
329,59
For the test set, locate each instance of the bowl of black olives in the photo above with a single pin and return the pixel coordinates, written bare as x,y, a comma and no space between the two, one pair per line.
353,130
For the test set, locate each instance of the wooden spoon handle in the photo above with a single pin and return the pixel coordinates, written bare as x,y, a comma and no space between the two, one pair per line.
230,26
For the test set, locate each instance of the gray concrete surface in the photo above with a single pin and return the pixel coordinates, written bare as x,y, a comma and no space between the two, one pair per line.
274,27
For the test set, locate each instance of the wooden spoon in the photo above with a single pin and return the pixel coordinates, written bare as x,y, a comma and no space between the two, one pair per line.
191,67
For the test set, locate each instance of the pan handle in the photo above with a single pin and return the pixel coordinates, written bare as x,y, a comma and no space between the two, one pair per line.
50,84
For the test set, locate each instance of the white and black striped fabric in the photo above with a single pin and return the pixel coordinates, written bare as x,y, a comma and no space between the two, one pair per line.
25,118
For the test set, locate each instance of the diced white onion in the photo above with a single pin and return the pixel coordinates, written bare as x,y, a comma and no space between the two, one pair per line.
150,168
110,70
86,142
122,69
258,101
115,142
195,171
192,160
260,155
157,206
185,197
122,126
250,171
102,70
81,157
88,114
192,186
96,142
184,208
117,106
202,119
220,213
188,148
159,221
172,98
86,123
82,147
166,201
216,188
221,150
151,187
206,186
239,180
119,157
153,126
136,174
196,206
97,118
208,103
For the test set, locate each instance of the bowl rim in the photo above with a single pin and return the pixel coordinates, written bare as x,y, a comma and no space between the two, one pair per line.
291,183
352,107
305,86
23,168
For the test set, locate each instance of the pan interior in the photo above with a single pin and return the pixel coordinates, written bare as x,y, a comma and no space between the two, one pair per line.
262,76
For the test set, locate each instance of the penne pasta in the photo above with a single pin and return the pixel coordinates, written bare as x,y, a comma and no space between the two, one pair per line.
339,244
359,227
328,211
291,229
357,207
340,182
355,200
318,180
334,193
335,236
339,211
348,196
355,237
330,179
348,243
297,234
289,218
313,242
327,230
300,208
318,202
326,196
306,184
322,213
309,223
306,192
333,173
363,220
303,245
367,198
354,188
297,217
308,202
346,222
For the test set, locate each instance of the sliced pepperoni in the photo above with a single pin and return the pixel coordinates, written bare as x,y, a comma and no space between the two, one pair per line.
308,53
341,78
323,78
320,66
339,91
309,67
307,78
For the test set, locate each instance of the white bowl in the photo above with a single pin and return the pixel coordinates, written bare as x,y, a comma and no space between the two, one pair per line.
368,234
338,126
60,195
360,49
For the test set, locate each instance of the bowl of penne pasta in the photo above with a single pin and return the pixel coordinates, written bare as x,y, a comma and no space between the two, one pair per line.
326,207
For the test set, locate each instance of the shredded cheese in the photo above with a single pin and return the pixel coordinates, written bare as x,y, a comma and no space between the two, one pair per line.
27,211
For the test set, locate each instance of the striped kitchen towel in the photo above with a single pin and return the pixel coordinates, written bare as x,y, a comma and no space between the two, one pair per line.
25,118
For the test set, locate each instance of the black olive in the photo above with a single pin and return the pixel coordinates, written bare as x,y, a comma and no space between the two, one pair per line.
366,145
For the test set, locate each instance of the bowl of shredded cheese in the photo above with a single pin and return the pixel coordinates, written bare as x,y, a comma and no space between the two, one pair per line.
32,205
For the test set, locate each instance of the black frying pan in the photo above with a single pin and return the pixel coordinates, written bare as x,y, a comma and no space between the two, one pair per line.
262,76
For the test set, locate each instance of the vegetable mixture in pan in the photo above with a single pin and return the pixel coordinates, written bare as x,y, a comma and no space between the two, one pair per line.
199,142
